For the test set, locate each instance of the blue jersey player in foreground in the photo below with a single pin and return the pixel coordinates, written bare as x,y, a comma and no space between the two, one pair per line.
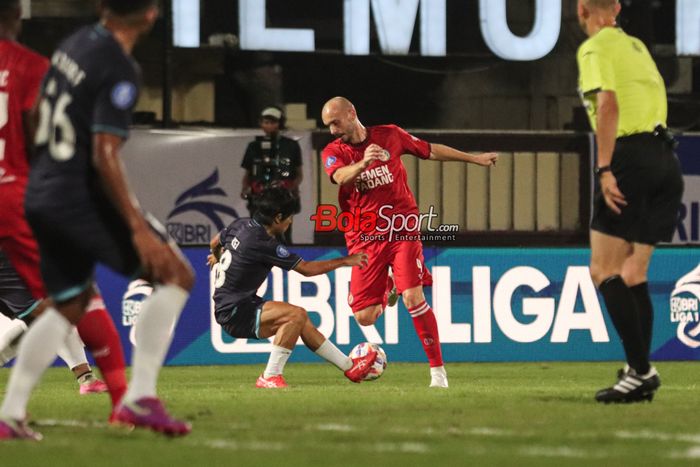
82,212
243,255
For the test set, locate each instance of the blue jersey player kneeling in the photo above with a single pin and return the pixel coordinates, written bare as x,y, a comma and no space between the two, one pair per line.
244,253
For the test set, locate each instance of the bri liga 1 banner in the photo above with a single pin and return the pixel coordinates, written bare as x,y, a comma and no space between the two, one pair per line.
504,304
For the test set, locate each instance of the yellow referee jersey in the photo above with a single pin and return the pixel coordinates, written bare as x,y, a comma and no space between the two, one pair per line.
613,61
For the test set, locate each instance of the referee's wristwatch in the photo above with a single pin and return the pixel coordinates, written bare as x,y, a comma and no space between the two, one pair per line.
601,170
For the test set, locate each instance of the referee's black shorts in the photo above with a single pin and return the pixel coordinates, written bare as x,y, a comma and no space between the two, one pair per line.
649,176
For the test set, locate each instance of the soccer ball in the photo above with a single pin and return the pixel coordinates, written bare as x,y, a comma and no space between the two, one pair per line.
360,350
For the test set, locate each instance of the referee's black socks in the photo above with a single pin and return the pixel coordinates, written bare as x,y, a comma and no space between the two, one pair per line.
622,307
645,310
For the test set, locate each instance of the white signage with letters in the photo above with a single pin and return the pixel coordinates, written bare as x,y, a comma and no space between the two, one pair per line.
556,316
395,21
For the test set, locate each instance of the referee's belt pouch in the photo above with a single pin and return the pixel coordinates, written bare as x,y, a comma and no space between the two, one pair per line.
666,136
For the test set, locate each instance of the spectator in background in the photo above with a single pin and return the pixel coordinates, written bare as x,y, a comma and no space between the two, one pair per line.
271,160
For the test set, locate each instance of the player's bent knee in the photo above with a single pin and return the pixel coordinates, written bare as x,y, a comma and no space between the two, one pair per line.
368,316
299,315
413,297
365,321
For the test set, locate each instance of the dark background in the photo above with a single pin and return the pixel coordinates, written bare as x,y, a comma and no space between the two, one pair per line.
462,90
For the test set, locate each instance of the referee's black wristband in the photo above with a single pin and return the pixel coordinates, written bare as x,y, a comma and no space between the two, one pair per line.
601,170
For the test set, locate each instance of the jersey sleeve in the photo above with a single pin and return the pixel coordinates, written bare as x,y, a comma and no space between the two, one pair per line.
116,98
332,161
276,254
596,72
413,145
222,236
36,70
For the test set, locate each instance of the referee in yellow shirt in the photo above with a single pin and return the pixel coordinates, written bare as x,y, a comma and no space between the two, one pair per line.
640,184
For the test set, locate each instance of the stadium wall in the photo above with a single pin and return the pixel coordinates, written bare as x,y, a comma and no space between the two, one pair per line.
539,194
493,304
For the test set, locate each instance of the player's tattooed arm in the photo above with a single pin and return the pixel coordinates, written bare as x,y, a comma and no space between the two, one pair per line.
349,173
440,152
314,268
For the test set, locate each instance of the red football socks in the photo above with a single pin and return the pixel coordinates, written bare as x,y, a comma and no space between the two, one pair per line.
97,330
427,330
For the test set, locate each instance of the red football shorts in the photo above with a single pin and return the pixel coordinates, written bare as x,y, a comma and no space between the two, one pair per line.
368,286
17,240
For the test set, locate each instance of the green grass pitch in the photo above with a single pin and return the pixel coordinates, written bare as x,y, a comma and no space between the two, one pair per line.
537,414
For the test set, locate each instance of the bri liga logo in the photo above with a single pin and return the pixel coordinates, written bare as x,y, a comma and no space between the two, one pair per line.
685,301
193,200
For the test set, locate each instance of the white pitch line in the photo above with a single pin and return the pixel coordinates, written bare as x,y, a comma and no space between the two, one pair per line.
334,427
243,445
653,435
485,431
69,423
475,431
232,445
692,453
548,451
418,448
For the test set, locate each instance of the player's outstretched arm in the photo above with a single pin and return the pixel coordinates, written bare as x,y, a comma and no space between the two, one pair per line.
440,152
314,268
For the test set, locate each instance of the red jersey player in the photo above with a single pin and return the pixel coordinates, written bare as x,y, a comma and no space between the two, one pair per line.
366,163
21,74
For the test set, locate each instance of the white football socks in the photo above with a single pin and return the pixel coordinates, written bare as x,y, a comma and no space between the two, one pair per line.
73,351
8,346
154,333
331,353
278,358
36,352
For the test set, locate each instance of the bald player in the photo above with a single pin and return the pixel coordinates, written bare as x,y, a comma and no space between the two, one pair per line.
638,198
366,164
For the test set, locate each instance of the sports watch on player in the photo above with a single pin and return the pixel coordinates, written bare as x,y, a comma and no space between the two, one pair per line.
600,170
